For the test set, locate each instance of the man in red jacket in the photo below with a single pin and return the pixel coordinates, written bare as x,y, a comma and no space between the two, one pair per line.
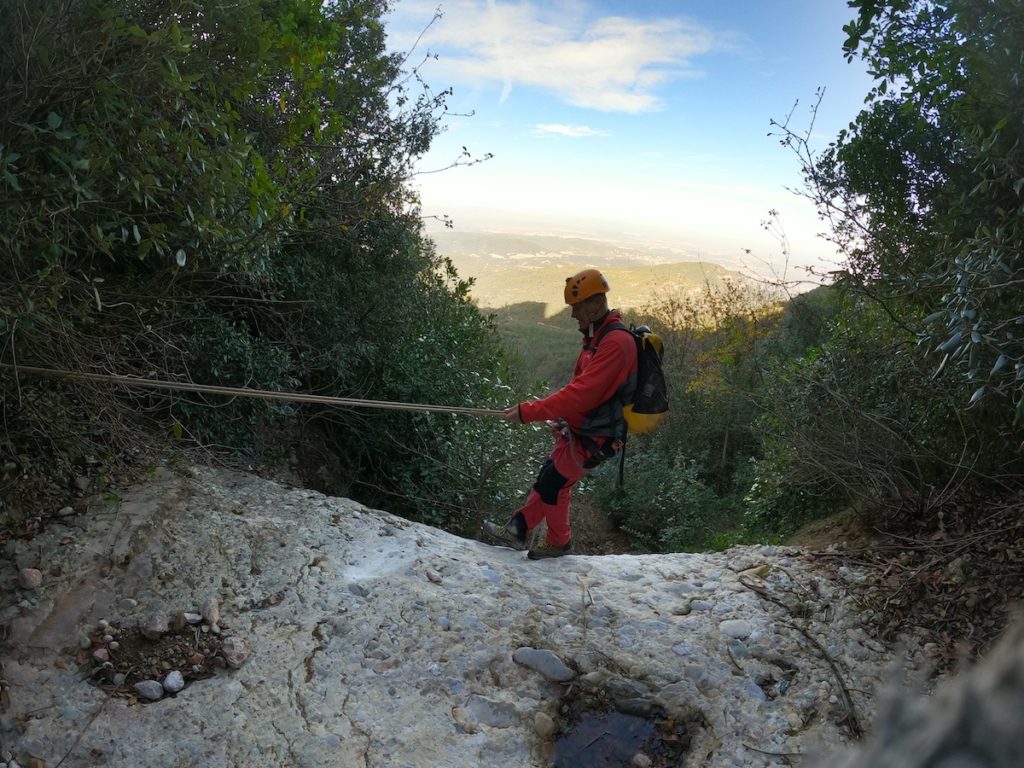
586,416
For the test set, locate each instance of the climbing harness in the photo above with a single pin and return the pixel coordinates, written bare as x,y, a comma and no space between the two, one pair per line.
597,453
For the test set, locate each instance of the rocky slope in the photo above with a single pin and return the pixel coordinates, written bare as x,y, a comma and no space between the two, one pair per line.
213,618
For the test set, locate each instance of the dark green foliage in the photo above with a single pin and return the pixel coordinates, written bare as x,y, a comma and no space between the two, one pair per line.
916,388
931,178
858,421
219,193
665,505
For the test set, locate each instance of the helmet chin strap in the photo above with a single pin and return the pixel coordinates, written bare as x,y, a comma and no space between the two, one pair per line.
590,326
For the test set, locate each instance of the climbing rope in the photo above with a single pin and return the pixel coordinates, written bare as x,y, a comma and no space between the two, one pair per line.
131,381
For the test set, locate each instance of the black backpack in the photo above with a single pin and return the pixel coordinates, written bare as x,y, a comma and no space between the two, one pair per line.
649,406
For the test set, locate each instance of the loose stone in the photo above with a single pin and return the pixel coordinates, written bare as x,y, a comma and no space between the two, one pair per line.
174,682
155,626
211,611
150,690
544,662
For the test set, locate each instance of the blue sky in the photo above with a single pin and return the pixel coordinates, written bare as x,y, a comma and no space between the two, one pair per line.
639,121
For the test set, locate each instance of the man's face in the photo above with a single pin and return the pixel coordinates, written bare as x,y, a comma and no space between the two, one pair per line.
584,312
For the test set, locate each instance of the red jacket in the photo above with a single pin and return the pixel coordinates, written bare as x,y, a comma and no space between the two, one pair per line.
596,380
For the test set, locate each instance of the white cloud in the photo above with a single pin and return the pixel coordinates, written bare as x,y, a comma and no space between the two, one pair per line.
611,63
571,131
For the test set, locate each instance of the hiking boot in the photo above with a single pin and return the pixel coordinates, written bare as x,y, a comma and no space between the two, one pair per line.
510,533
546,550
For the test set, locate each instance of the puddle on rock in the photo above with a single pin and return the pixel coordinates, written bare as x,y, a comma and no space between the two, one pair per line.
613,739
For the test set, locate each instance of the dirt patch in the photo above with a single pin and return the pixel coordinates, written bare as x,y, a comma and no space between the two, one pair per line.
848,529
117,659
953,577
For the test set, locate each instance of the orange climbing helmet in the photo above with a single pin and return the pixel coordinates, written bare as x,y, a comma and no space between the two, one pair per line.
583,285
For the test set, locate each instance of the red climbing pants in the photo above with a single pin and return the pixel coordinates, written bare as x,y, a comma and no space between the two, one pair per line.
549,498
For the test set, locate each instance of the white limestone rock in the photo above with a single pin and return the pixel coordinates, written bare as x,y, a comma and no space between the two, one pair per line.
341,645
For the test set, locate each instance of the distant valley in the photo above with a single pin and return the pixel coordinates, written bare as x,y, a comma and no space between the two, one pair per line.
520,277
511,269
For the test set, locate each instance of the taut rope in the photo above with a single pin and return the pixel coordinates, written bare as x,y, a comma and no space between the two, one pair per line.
264,394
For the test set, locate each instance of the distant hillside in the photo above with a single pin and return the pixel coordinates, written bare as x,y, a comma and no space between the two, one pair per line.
545,347
513,269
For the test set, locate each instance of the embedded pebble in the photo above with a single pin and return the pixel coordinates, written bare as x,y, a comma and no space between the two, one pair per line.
739,629
543,725
359,590
235,651
30,578
492,713
544,662
174,682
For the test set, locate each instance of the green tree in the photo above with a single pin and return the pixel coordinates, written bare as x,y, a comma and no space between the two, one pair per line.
925,188
857,421
919,383
220,193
